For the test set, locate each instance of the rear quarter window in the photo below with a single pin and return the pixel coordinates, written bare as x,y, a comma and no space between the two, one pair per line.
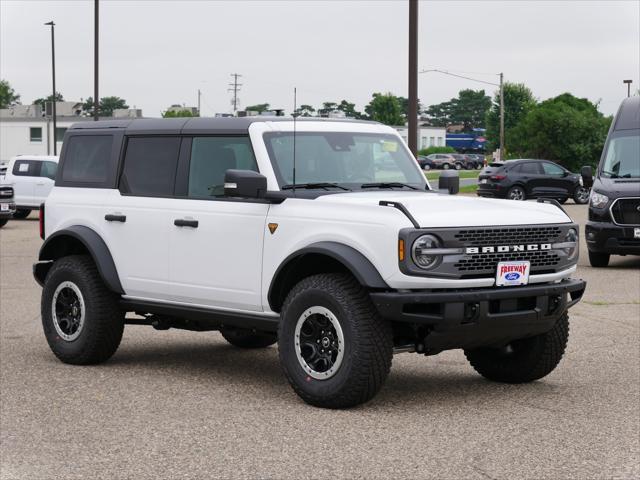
87,161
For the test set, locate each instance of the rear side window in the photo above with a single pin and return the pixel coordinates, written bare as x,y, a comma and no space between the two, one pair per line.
48,170
529,168
87,159
150,166
211,157
25,168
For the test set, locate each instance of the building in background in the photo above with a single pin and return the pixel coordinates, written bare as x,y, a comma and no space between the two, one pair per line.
182,108
27,130
427,136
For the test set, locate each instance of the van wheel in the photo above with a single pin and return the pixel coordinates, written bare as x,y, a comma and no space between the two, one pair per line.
21,213
81,318
523,360
599,260
247,339
516,193
335,349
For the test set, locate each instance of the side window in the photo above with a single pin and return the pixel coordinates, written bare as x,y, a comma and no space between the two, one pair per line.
529,168
150,166
552,169
48,170
87,159
25,168
211,157
35,134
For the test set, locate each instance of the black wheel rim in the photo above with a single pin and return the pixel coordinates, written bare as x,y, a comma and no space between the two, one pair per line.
319,342
68,311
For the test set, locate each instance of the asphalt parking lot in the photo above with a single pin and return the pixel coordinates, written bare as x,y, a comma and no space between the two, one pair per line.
177,404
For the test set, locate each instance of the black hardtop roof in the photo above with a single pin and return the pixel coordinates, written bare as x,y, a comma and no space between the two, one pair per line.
628,117
196,125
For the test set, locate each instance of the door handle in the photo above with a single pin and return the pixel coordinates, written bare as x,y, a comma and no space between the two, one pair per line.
181,222
115,218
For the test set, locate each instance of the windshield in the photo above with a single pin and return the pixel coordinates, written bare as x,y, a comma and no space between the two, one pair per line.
346,159
622,159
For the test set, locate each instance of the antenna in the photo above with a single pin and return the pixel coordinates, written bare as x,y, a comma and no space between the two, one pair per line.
295,106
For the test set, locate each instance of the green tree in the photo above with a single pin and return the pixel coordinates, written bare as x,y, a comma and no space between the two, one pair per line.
106,107
440,114
518,101
349,109
43,101
385,108
469,108
305,111
8,96
176,114
260,107
566,129
404,103
327,107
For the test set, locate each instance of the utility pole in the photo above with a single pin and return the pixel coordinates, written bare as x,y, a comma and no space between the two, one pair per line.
235,88
53,72
413,77
628,82
96,26
502,146
199,103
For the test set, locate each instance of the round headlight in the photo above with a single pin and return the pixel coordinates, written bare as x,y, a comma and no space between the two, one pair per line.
572,237
420,252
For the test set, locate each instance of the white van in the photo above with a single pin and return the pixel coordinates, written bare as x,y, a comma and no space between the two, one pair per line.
32,178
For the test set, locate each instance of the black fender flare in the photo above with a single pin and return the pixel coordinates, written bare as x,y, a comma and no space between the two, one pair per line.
53,248
359,266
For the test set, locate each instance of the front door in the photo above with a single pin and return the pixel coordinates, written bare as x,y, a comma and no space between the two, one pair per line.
557,181
215,243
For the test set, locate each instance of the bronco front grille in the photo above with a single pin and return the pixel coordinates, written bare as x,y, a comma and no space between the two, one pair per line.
626,211
507,236
546,260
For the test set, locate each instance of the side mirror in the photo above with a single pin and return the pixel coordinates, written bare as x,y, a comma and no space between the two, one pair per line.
245,184
586,173
449,180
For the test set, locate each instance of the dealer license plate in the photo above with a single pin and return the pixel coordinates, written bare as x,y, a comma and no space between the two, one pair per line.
4,207
484,180
636,233
510,274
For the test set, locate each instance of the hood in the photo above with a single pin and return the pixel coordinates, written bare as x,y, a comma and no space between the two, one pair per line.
617,187
442,210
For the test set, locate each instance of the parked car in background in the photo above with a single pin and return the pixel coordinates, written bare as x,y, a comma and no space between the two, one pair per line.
477,158
32,178
528,178
426,163
614,210
442,160
7,206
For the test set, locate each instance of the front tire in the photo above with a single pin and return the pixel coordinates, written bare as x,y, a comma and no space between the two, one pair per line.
81,318
3,222
334,347
516,193
598,259
523,360
247,339
21,213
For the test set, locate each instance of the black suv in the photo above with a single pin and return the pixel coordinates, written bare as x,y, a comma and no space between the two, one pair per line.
526,178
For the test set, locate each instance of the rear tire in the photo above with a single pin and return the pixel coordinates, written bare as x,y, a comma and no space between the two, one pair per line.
81,318
458,166
523,360
21,213
516,193
3,222
599,260
247,339
335,349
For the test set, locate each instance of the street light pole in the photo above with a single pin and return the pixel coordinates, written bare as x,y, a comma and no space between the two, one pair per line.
53,72
96,30
502,146
413,77
628,82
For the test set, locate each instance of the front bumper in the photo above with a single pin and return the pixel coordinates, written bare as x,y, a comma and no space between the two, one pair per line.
7,209
480,317
606,237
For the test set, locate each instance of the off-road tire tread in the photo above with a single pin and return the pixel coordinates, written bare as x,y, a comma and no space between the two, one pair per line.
105,321
372,360
546,351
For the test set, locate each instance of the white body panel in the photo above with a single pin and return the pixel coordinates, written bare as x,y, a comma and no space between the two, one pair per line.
29,191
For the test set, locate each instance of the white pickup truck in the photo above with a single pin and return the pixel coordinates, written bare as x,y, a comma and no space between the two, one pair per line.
32,178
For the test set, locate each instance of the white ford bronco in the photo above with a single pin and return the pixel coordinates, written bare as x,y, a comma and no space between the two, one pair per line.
322,236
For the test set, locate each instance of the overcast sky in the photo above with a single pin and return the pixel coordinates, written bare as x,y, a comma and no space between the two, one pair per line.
156,53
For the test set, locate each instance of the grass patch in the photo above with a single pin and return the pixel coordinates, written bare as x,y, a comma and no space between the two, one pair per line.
469,188
435,174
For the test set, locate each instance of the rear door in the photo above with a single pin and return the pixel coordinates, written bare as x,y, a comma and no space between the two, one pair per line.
137,216
215,243
44,182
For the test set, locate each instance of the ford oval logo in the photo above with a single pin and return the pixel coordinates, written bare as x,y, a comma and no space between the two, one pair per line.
512,276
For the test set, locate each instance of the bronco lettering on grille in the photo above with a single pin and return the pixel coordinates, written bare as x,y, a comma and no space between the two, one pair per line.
509,248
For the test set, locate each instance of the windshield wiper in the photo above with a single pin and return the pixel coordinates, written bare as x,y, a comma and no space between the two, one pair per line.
387,185
325,185
611,174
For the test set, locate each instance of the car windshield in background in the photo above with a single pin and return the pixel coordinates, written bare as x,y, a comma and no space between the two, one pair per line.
622,159
346,159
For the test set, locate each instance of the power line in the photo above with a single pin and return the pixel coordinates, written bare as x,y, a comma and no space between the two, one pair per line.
235,88
460,76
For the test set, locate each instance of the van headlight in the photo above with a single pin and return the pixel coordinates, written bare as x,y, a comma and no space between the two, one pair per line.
421,255
599,200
